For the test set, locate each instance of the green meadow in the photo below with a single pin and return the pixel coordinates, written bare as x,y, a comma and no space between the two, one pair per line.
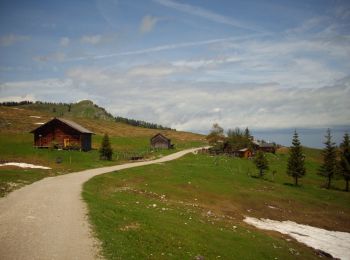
17,147
195,206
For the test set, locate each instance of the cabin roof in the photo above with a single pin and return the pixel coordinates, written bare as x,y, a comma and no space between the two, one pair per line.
160,135
72,124
267,145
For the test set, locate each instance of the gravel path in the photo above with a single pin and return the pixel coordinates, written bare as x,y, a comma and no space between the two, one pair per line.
48,219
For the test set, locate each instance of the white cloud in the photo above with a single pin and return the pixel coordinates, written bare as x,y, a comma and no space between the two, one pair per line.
195,105
159,70
148,23
207,14
91,39
167,47
10,39
65,41
28,97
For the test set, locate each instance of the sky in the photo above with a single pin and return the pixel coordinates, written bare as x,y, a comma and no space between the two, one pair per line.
273,66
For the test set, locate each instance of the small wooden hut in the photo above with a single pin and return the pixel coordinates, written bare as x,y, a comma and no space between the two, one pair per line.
64,134
244,153
160,141
264,147
267,147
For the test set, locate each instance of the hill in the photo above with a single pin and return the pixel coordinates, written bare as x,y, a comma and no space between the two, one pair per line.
82,109
16,142
25,117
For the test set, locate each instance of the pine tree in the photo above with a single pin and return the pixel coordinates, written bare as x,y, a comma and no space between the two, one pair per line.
261,162
345,160
247,134
296,167
329,167
106,151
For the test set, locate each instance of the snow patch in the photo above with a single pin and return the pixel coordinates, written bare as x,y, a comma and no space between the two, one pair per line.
25,165
39,123
333,242
35,116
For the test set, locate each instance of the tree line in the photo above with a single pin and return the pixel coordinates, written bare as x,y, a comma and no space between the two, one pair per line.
13,103
141,123
335,160
236,139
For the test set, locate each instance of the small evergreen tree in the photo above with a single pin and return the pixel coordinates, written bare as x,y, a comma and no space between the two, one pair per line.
296,167
247,134
106,151
345,160
261,162
329,166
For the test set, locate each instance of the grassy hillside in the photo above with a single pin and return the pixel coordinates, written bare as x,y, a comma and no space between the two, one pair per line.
195,206
84,109
16,143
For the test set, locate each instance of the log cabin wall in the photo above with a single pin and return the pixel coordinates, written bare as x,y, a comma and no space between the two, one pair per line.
62,135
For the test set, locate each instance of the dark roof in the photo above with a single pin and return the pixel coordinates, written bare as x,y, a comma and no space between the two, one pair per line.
160,135
72,124
267,145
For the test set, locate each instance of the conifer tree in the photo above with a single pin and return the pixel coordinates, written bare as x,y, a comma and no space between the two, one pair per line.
247,134
329,166
296,167
345,160
261,162
106,151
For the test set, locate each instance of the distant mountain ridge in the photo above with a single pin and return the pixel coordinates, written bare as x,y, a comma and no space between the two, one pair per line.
82,109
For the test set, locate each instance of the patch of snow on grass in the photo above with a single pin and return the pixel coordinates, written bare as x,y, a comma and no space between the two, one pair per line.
25,165
35,116
39,123
333,242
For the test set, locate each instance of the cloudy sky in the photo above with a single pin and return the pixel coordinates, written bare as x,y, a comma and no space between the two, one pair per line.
268,65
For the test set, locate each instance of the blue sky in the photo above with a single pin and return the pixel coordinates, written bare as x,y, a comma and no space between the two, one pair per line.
269,65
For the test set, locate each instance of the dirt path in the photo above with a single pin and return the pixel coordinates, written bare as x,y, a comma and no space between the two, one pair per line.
48,219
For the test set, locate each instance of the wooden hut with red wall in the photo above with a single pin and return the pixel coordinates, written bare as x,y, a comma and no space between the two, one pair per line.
244,153
64,134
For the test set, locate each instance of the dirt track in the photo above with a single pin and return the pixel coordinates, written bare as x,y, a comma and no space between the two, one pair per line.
48,219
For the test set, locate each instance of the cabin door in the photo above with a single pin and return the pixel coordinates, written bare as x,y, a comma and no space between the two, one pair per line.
66,142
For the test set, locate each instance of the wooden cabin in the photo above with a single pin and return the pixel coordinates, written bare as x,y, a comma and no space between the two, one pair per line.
264,147
267,147
64,134
160,141
244,153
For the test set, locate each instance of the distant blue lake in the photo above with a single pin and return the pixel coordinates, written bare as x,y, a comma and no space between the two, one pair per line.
308,137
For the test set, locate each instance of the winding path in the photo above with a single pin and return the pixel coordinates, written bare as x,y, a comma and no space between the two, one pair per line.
48,219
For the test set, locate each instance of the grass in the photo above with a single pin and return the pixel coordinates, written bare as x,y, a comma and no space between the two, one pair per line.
11,178
19,148
16,144
195,206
